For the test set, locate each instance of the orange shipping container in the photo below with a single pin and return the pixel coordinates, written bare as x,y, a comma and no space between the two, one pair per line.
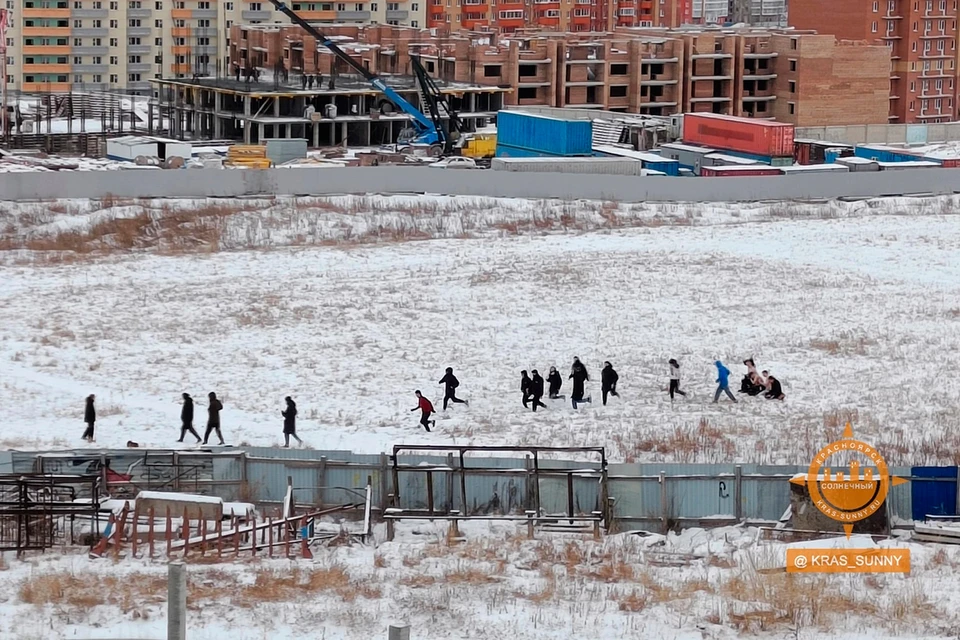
747,135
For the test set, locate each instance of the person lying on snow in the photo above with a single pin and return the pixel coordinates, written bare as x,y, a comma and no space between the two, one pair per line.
774,390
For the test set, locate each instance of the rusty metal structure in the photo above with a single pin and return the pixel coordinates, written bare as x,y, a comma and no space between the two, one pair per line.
38,511
581,511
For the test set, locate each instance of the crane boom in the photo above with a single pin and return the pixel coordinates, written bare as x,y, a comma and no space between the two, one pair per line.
427,131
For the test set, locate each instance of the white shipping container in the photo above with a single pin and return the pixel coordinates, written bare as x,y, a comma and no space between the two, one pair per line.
815,168
596,166
129,147
854,163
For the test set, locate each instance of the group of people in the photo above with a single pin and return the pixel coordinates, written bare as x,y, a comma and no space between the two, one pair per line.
531,388
214,407
752,384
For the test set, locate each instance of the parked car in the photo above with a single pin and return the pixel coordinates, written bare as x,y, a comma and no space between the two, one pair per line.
455,162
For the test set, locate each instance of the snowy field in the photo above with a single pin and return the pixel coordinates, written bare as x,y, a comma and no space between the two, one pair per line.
702,585
854,307
349,304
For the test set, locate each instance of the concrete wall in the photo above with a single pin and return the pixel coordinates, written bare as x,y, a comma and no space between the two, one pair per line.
896,134
198,183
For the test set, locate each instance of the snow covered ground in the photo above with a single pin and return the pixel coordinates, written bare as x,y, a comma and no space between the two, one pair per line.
719,584
855,310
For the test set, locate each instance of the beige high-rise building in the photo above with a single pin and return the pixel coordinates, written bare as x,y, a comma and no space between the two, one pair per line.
119,45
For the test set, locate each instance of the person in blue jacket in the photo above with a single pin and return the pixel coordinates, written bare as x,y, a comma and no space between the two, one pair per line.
723,382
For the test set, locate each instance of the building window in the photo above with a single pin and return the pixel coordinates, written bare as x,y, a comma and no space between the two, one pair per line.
133,59
113,78
114,42
113,24
876,6
114,60
913,47
77,42
158,24
793,86
793,43
113,7
413,23
76,60
203,24
97,60
913,86
229,6
873,27
915,25
97,78
792,107
793,65
78,24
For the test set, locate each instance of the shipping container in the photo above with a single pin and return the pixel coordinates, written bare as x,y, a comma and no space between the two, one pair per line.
949,163
739,171
726,160
533,132
504,151
808,151
688,156
131,147
858,164
773,161
814,168
758,137
882,153
907,164
598,166
652,161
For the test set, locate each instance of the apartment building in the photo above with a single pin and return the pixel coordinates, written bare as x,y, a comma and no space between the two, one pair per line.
922,37
793,76
119,45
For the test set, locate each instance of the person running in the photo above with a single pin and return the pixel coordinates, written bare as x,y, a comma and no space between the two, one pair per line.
450,384
536,390
213,418
525,384
580,375
426,408
675,379
608,382
723,382
89,418
186,419
290,423
555,382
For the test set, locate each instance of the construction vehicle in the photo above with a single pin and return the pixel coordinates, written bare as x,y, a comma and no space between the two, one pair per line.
439,135
479,146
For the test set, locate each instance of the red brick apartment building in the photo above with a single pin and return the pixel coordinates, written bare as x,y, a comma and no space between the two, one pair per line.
508,16
922,38
799,77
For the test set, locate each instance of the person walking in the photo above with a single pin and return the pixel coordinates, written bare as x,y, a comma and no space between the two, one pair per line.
290,423
608,382
89,418
723,382
536,390
675,379
525,384
555,382
426,408
450,384
213,418
186,419
580,375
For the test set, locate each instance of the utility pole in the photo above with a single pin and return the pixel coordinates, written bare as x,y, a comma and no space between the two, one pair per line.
176,601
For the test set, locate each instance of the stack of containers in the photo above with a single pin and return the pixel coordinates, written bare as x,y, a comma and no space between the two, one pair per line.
761,140
528,135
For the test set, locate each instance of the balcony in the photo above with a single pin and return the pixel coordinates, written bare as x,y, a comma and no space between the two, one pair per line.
248,14
657,82
52,87
759,76
139,13
53,32
139,67
135,48
398,14
89,13
717,55
30,69
760,55
100,33
89,51
89,68
46,13
139,31
933,55
893,17
353,16
712,99
658,104
325,16
759,98
698,78
934,36
205,13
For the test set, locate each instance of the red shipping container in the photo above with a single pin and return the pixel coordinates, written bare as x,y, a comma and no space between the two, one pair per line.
746,135
739,171
950,163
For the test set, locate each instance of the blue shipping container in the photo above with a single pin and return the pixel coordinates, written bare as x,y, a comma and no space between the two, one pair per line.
548,135
773,161
507,151
884,154
934,497
667,166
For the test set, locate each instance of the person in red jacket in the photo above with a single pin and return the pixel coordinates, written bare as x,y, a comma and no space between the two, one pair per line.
426,408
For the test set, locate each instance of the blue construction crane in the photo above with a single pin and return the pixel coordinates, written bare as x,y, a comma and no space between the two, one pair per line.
427,130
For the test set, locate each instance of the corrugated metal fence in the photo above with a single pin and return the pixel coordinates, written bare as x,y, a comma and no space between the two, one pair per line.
651,496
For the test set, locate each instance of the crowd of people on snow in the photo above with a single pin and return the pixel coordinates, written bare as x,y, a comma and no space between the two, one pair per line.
531,388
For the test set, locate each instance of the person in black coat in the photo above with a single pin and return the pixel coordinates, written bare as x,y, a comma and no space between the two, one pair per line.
608,382
555,382
290,423
213,418
90,418
450,384
525,383
579,374
774,390
186,419
536,390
